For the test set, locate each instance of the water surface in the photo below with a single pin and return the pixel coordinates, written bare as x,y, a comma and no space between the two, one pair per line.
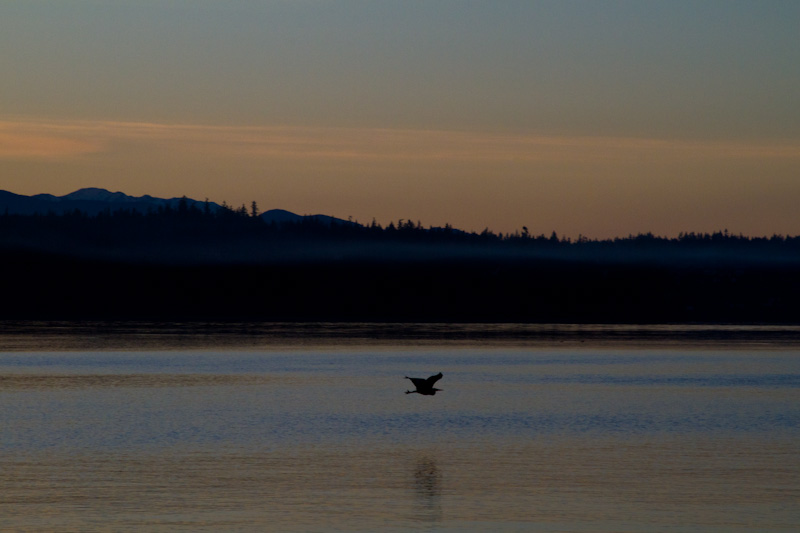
236,428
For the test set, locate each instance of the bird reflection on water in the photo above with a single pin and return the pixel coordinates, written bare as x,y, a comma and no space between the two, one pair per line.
428,489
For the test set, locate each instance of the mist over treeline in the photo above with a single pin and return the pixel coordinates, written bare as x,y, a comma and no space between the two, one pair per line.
196,263
193,232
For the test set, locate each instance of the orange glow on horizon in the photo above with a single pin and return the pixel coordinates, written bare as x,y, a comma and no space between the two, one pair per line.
590,185
67,138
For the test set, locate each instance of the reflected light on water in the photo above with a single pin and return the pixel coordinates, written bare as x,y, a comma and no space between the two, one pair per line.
605,486
525,437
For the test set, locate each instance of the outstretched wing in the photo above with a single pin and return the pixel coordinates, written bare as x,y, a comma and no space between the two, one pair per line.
418,382
433,379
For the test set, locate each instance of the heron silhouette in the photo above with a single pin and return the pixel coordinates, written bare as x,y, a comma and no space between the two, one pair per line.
425,386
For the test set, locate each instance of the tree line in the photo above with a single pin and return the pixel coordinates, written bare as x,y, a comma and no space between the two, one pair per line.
199,262
198,221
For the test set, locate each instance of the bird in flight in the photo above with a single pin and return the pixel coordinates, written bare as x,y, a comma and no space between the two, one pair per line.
425,386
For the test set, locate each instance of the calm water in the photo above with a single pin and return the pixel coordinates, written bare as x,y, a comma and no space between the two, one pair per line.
284,428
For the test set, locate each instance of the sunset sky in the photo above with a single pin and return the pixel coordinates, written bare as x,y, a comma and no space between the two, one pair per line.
600,118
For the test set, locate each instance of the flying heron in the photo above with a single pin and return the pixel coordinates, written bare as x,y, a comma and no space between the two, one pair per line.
425,386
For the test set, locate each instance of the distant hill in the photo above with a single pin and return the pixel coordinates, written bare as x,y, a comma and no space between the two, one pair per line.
90,200
280,216
94,200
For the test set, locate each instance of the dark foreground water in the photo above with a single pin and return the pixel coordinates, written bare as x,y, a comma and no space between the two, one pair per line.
243,428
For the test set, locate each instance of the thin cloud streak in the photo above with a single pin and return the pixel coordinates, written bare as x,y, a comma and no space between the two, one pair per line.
29,141
63,139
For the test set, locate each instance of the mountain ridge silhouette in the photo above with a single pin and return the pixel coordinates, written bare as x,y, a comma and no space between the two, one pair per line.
95,200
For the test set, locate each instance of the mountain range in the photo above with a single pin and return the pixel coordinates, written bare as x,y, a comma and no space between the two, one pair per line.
93,200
